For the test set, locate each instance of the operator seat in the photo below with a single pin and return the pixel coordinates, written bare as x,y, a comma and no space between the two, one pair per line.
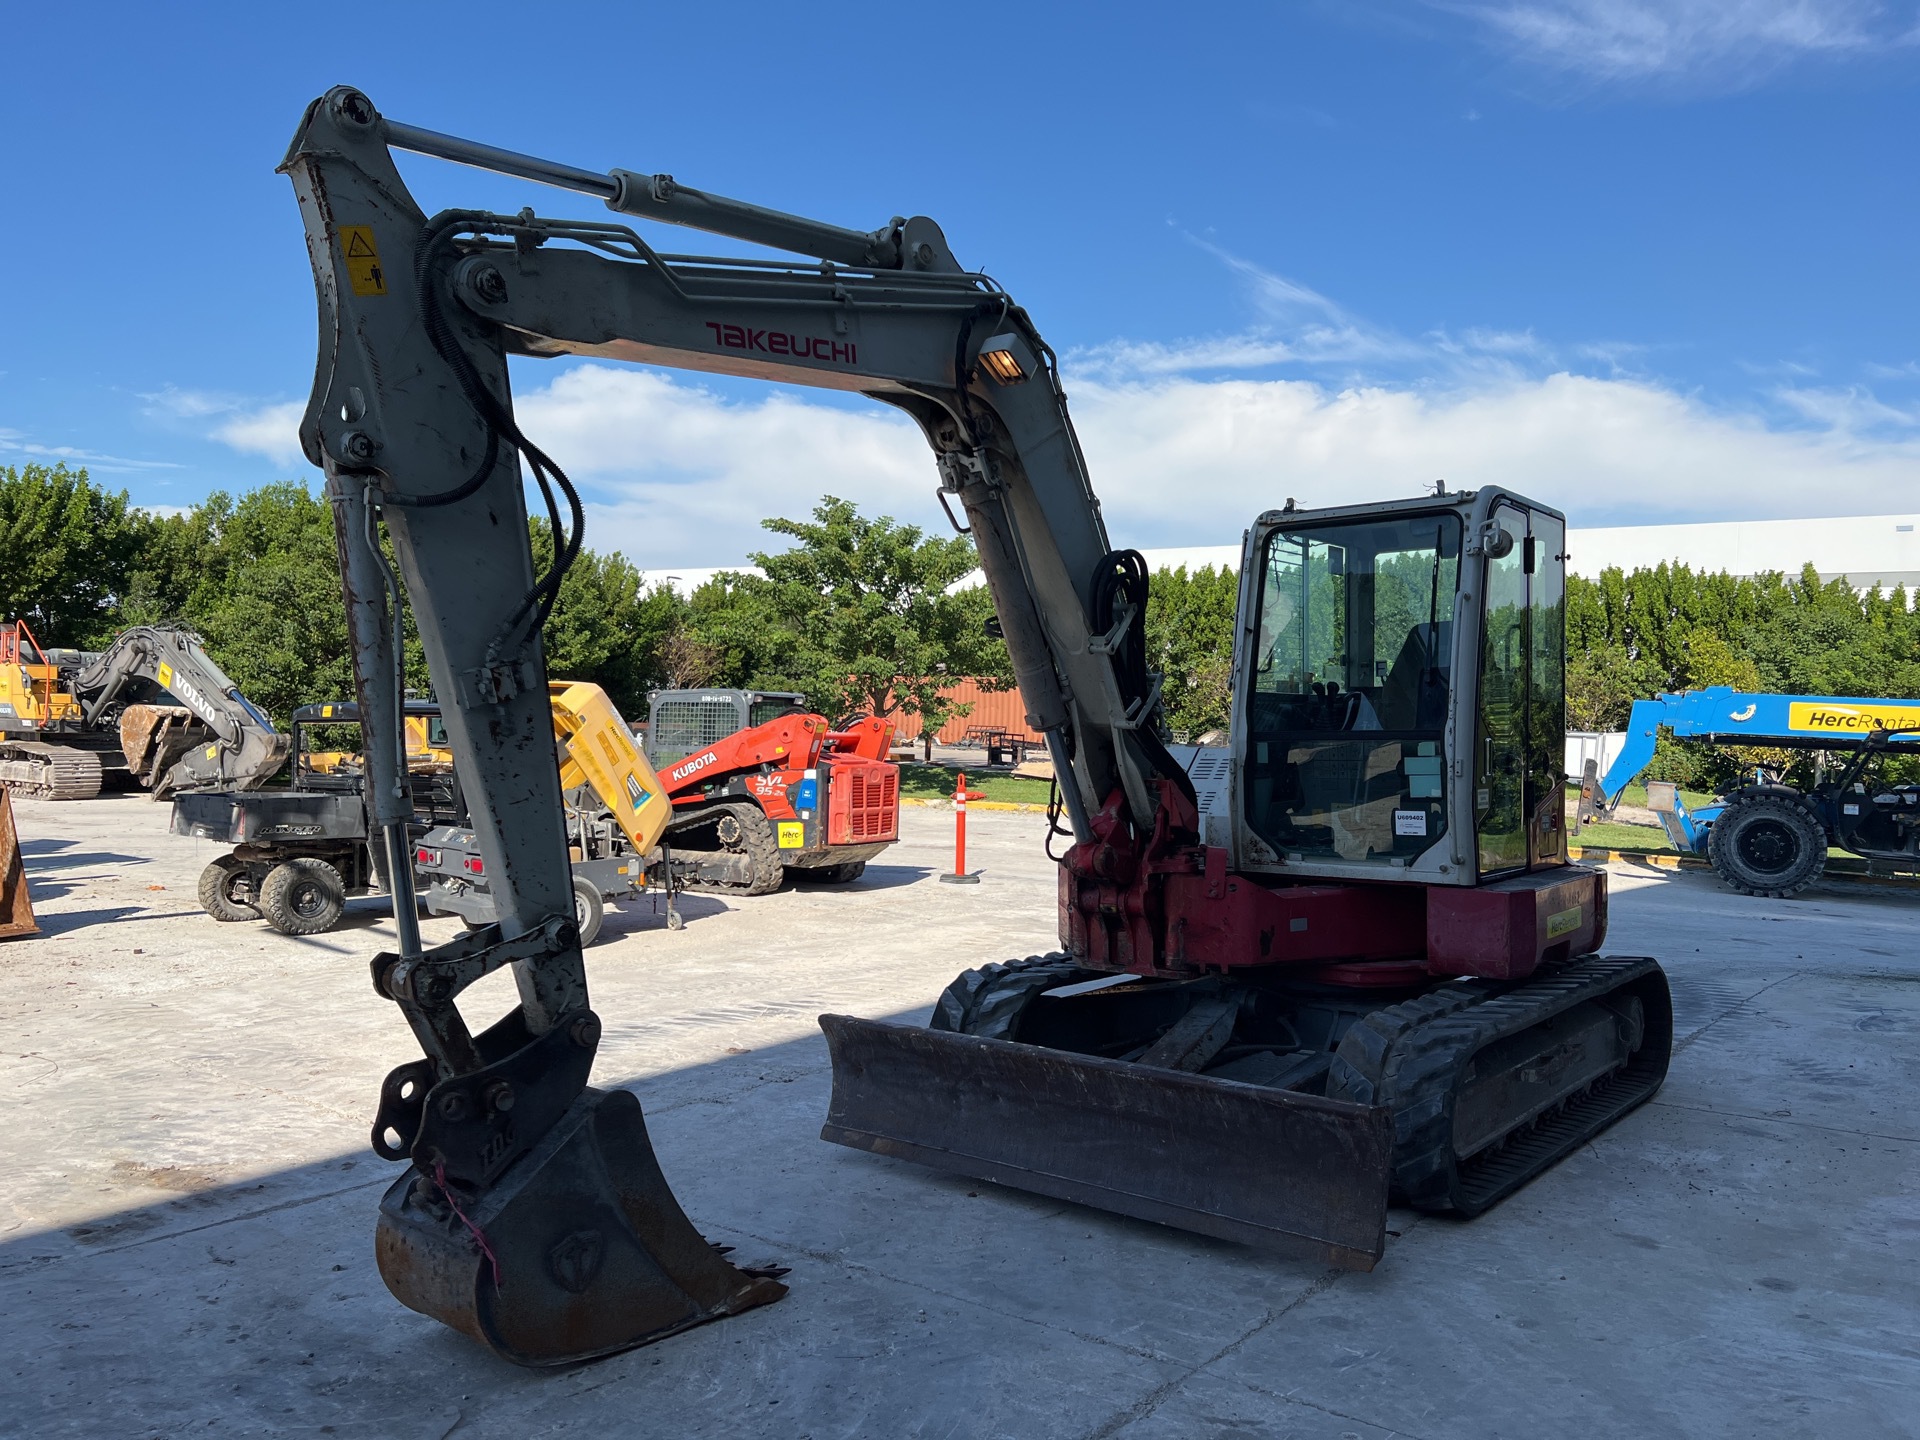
1414,696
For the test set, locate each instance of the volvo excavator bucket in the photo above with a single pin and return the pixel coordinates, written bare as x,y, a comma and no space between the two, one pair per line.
16,906
1267,1167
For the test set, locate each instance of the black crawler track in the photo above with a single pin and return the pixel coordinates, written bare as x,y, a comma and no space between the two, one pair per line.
1412,1056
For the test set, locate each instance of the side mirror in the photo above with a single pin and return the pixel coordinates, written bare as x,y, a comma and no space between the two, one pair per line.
1491,540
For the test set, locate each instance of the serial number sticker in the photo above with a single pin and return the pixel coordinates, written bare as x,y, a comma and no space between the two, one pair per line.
1410,822
1563,922
793,835
364,272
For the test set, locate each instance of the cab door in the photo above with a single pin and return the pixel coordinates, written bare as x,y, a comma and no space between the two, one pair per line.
1519,755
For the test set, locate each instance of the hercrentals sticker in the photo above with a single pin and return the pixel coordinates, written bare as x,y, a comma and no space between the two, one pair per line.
1825,717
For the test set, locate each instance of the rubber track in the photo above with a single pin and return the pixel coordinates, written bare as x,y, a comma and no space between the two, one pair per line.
61,772
1410,1056
757,842
989,1002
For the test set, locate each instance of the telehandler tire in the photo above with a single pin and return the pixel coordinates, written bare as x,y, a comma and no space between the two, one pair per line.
303,896
1768,844
226,891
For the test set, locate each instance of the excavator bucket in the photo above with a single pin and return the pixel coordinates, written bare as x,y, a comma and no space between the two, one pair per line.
152,737
1241,1162
16,906
578,1250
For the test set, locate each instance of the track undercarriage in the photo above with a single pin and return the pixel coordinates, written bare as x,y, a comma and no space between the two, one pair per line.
1261,1110
48,770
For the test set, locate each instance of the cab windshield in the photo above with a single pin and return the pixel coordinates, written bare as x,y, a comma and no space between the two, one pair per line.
1351,672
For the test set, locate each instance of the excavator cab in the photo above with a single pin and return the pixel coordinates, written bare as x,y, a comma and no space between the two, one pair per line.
1373,634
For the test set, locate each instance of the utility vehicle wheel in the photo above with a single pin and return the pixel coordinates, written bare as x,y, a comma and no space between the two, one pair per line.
588,910
1768,845
303,896
226,891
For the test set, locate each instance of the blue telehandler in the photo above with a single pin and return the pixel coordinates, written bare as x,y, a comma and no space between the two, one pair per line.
1764,836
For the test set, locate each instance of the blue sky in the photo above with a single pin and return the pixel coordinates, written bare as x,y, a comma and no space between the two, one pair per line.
1649,259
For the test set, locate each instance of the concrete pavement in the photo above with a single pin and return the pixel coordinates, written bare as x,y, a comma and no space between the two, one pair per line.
187,1209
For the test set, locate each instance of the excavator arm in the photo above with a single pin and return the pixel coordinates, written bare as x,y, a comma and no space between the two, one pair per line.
513,1155
238,748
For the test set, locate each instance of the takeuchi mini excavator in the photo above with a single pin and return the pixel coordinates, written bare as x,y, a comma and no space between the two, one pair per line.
1341,958
763,788
69,717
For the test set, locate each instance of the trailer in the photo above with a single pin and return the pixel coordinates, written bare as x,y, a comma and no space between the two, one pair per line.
1764,836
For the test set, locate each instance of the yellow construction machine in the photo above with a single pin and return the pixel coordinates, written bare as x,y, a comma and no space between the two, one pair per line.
616,816
153,704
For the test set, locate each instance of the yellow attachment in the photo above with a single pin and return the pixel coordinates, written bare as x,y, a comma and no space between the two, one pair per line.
597,750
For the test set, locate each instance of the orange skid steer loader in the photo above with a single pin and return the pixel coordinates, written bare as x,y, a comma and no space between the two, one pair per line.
762,788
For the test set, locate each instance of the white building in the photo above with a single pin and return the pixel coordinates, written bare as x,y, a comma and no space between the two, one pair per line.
1881,550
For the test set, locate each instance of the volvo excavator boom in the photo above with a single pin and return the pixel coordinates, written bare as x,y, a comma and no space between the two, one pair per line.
64,710
1202,932
215,739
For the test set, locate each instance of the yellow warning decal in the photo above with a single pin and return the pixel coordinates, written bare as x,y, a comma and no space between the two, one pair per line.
793,835
166,675
1563,922
364,271
1825,717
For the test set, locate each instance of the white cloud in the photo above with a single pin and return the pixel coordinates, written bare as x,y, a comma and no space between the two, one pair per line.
1188,462
1185,452
1730,43
14,442
269,430
173,403
1297,326
687,475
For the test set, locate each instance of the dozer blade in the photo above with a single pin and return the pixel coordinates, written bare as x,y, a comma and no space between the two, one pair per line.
1240,1162
578,1250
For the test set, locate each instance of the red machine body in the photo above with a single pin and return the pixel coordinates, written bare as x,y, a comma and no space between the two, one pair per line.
1170,907
830,798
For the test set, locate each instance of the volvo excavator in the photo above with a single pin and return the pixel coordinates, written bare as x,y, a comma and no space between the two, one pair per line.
1341,959
68,717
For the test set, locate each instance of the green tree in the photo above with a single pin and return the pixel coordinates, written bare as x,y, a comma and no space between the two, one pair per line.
69,547
267,597
1190,622
604,629
860,615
